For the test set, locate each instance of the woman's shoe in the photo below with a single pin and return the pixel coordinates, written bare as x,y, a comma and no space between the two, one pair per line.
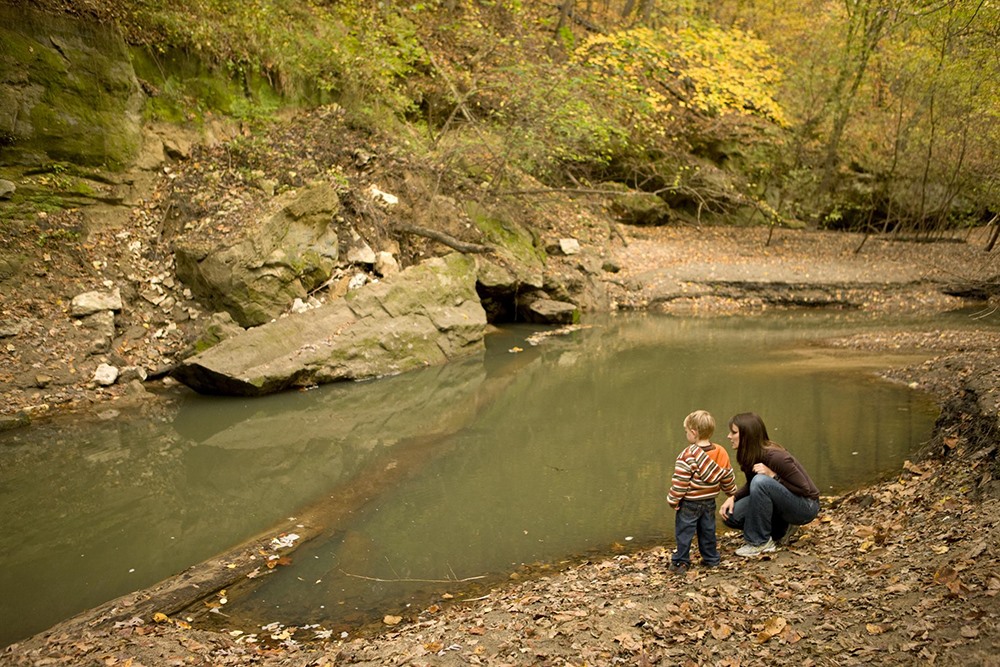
757,549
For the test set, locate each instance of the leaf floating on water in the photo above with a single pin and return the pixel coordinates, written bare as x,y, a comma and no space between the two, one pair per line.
275,562
392,620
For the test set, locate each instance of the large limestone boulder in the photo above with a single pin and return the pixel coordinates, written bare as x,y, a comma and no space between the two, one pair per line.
255,274
640,208
428,314
515,267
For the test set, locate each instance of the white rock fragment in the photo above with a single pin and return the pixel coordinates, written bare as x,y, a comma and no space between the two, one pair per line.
106,375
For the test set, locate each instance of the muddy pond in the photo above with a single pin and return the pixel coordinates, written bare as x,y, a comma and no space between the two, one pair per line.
440,481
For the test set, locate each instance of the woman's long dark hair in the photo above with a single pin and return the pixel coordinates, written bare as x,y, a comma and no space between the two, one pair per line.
753,438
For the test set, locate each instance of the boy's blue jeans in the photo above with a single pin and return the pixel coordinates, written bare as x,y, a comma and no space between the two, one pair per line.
696,517
768,511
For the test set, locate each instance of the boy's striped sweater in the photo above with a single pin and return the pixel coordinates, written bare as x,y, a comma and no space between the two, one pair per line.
700,473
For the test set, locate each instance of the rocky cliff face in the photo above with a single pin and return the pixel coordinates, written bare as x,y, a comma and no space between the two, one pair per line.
67,92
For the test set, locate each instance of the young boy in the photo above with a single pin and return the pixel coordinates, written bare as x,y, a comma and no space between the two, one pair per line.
701,470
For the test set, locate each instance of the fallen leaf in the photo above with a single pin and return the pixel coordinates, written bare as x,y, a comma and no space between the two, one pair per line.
629,642
274,562
774,626
945,575
790,635
721,631
392,620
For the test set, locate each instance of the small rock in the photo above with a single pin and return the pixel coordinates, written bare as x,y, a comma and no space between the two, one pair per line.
132,373
386,264
360,252
7,189
89,303
9,329
382,196
549,311
135,388
105,375
569,246
16,420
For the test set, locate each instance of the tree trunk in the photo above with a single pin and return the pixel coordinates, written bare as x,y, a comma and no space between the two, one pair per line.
996,232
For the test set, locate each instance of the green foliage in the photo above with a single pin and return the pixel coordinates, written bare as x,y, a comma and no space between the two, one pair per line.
554,116
57,237
350,51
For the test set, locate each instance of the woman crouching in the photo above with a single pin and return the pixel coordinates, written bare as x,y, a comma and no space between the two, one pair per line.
778,496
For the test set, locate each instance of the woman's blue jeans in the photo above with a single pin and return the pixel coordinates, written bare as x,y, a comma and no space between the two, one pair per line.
696,516
768,511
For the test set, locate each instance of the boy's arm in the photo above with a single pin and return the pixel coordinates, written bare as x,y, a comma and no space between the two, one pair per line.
680,482
728,482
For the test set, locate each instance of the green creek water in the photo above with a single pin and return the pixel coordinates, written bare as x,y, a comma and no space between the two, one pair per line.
467,470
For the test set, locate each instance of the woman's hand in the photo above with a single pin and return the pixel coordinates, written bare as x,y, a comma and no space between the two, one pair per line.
762,469
726,510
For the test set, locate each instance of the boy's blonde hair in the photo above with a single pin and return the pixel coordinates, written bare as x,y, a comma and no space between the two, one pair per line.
702,423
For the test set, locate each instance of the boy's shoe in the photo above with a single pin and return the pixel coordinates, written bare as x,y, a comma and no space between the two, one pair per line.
678,568
757,549
789,536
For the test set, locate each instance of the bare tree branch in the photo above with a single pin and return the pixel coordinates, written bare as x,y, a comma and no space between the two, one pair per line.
442,238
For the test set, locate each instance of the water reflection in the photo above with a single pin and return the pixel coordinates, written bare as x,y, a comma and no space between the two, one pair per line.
563,448
95,510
